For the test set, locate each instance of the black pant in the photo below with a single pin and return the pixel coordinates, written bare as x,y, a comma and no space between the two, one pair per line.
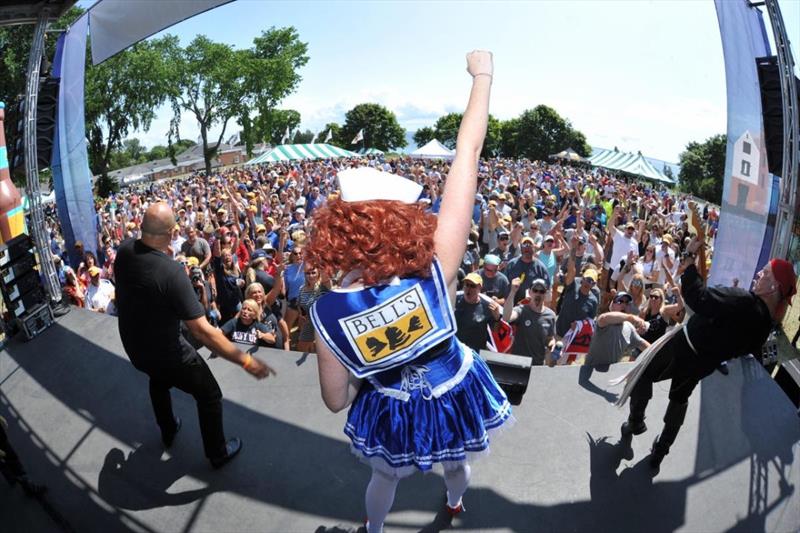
10,465
193,378
675,361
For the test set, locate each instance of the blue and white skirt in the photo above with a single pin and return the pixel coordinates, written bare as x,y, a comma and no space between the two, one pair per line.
401,430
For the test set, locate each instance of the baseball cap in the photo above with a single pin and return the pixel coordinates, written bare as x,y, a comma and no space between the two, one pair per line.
261,227
192,261
539,283
474,277
591,274
621,295
527,239
549,238
94,271
491,259
258,254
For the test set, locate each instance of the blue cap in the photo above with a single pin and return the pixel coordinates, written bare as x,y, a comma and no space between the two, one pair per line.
2,105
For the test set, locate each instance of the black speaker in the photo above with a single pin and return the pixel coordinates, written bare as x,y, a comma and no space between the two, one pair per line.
512,373
17,248
772,110
46,116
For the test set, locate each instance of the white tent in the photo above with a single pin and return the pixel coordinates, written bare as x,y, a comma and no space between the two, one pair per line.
433,150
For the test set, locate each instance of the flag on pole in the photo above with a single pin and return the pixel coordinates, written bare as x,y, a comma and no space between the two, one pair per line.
285,135
314,138
359,137
329,136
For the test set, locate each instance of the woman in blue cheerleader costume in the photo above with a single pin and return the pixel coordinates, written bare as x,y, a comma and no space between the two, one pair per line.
386,339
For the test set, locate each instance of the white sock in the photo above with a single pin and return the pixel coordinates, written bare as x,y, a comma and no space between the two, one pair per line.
457,480
379,499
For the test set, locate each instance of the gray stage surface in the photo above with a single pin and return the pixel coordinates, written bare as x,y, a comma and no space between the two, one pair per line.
80,418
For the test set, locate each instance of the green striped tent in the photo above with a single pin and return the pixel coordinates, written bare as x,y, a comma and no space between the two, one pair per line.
369,151
293,152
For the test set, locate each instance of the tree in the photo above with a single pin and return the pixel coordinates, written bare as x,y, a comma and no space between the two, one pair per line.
541,131
703,168
122,94
509,132
423,136
277,56
280,120
494,132
667,170
380,126
446,129
157,152
303,137
217,83
334,129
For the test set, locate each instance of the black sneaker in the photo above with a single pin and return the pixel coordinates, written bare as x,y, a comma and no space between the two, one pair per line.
169,439
629,428
232,448
656,456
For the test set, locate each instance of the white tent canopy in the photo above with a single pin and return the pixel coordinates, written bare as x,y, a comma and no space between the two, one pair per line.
433,150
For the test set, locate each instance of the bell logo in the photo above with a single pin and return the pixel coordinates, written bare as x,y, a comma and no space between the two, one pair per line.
384,330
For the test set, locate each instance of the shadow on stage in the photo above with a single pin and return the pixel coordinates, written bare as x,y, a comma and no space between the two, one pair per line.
293,467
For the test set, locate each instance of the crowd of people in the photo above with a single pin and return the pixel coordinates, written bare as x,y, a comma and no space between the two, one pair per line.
553,248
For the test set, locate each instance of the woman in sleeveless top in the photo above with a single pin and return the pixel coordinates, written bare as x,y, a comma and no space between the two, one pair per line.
385,339
659,315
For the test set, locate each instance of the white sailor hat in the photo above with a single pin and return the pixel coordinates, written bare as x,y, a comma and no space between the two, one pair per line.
366,183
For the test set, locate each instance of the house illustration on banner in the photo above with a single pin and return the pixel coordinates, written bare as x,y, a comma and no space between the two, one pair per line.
749,185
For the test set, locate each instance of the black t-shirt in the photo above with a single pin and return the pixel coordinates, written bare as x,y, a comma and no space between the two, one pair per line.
154,294
472,321
238,332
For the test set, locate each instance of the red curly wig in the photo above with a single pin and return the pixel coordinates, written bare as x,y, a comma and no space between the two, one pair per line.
383,238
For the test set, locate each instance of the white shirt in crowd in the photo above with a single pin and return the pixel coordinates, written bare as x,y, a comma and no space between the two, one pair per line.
99,297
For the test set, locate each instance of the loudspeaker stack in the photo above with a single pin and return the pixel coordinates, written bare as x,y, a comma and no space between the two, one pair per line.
26,300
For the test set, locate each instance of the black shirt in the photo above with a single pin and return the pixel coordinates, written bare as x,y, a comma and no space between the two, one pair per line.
728,322
238,332
154,294
472,321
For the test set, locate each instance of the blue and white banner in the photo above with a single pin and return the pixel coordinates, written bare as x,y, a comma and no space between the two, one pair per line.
72,178
745,228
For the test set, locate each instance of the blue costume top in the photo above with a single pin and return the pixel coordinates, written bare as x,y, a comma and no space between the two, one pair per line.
427,397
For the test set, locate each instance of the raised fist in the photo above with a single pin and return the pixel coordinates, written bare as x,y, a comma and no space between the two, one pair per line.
480,62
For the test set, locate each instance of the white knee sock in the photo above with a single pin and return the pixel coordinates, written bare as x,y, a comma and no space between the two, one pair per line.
457,480
379,499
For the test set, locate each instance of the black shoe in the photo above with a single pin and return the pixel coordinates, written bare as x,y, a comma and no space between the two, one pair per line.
32,490
629,428
723,369
232,448
656,455
169,439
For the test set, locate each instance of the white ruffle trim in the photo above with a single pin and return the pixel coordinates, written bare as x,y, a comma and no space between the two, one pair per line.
377,462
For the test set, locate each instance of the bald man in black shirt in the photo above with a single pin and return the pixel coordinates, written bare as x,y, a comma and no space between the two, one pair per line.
154,295
727,322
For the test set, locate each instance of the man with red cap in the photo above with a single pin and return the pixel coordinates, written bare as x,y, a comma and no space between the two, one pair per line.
727,322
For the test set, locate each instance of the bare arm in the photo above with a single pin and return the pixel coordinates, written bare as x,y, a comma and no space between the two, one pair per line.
215,341
458,198
338,386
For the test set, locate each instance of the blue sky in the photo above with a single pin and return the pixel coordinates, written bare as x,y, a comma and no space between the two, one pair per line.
638,74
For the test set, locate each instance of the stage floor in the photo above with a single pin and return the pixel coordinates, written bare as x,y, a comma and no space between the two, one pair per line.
80,418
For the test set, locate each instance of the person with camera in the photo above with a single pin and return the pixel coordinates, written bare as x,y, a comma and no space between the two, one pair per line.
153,295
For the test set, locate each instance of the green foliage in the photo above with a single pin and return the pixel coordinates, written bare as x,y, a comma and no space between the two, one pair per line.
380,126
423,136
335,129
106,185
703,168
539,132
122,94
446,129
303,137
216,83
279,120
